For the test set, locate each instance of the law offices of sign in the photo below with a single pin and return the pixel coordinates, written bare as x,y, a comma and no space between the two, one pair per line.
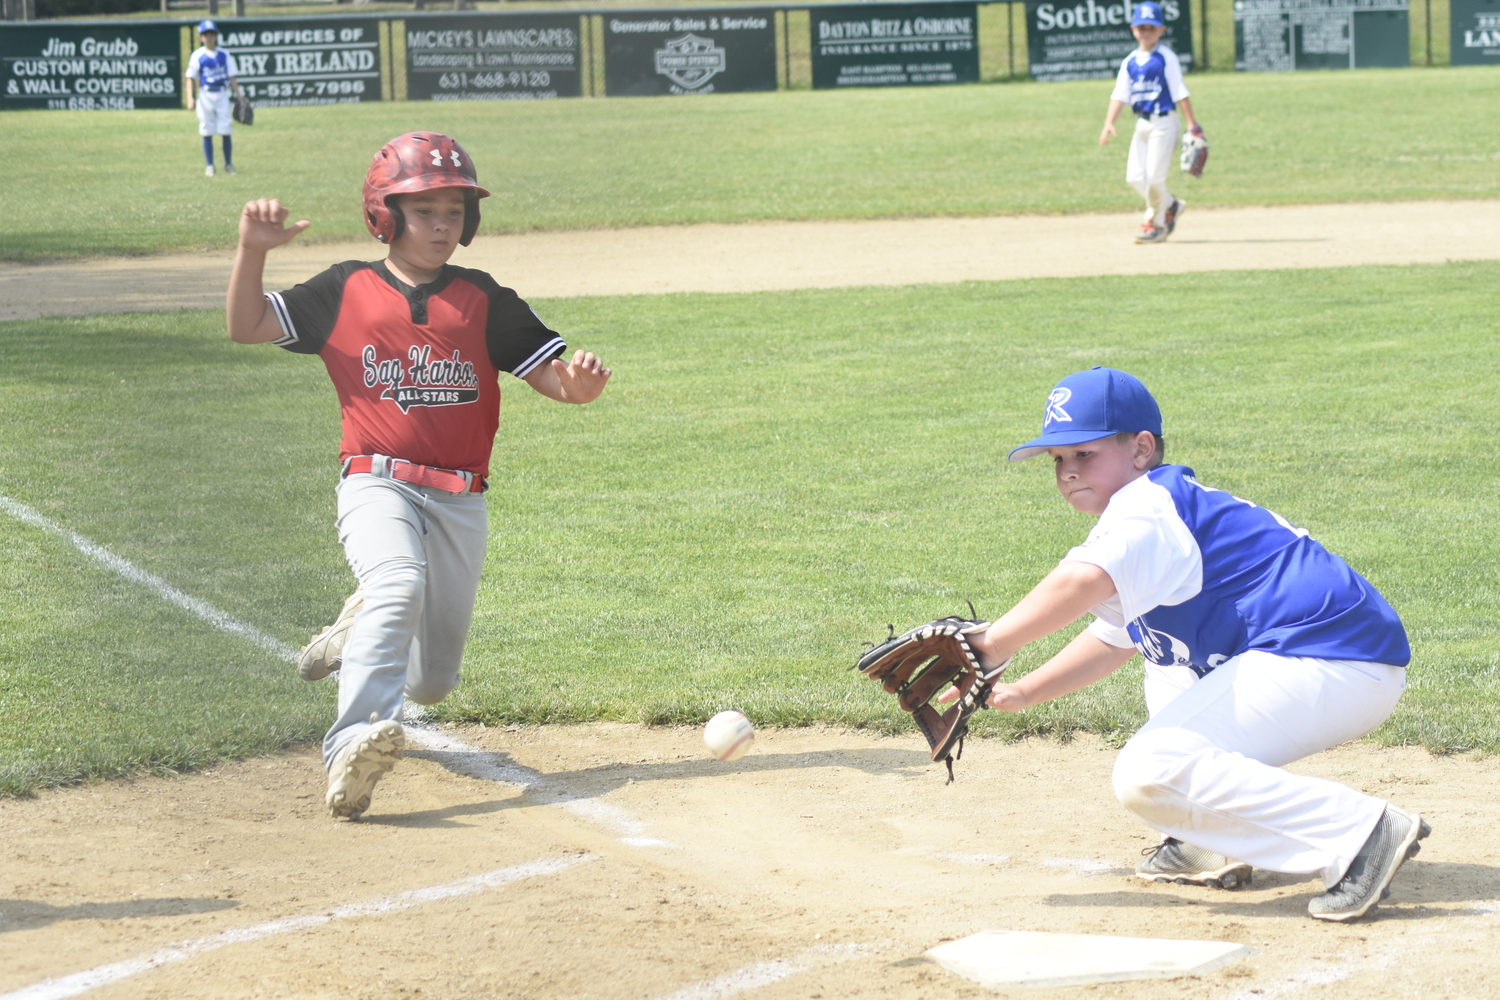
100,67
1475,38
286,63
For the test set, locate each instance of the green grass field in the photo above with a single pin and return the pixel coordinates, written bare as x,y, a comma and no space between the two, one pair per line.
110,183
768,481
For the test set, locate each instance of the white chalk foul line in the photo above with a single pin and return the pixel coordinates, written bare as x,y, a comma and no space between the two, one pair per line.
753,977
473,762
218,619
81,982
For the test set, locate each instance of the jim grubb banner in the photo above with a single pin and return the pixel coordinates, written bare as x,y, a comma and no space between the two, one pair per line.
509,57
1476,32
100,67
688,52
305,61
894,45
1088,41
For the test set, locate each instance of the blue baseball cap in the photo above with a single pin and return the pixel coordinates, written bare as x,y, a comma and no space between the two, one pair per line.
1148,13
207,26
1087,406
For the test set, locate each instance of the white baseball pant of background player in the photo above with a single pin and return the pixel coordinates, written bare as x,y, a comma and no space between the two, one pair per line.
417,553
1207,768
213,108
1152,149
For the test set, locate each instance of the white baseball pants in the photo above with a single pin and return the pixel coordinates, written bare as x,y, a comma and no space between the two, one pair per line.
1207,768
1152,149
213,108
417,553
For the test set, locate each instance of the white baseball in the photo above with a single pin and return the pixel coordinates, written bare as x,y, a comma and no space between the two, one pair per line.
728,735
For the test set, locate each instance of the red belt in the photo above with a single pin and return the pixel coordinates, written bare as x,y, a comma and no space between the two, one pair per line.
419,475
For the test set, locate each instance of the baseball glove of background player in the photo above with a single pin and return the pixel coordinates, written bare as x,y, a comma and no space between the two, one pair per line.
1194,152
918,665
243,111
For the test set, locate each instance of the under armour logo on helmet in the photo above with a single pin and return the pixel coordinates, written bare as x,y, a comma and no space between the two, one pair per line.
1055,410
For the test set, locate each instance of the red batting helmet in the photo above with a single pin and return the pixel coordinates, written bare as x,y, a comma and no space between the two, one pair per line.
419,161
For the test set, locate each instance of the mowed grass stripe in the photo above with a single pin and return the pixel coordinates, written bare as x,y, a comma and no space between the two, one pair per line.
132,182
768,481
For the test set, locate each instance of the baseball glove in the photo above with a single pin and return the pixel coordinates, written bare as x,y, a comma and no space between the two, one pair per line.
243,111
1194,152
325,653
917,665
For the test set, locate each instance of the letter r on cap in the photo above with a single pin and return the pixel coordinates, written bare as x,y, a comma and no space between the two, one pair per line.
1055,410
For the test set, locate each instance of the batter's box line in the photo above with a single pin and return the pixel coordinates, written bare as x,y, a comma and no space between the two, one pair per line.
754,977
81,982
465,759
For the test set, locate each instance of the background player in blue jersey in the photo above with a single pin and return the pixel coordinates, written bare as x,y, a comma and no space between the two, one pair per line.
1150,84
211,72
1261,648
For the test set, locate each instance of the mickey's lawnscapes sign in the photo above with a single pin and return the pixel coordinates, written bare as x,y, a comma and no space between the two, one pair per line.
689,52
513,57
322,61
90,68
1279,35
1476,31
890,45
1087,41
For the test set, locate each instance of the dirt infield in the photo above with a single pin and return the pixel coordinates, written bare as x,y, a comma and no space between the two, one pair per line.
770,256
621,862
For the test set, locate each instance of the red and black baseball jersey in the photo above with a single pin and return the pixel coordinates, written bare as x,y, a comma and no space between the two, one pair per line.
416,368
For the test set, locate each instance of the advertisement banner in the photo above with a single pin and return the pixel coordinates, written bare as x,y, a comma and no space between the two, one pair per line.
1276,36
65,67
894,45
689,52
323,60
502,57
1476,32
1089,40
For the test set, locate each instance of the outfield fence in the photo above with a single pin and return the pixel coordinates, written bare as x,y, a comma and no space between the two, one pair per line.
541,55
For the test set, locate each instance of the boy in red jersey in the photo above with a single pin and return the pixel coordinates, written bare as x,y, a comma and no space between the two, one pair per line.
414,347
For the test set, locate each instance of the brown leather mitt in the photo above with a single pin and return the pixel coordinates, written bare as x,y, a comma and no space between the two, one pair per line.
325,653
918,665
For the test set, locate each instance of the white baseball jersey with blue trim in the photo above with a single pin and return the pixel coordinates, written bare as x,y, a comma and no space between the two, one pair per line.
1202,576
1150,82
212,69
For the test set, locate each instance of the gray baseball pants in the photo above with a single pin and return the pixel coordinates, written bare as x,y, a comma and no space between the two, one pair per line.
417,553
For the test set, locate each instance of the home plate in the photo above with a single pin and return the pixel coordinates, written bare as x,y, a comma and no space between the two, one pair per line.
1028,958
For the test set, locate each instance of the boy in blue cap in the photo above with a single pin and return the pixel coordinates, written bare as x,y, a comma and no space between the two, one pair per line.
1261,648
1150,84
210,77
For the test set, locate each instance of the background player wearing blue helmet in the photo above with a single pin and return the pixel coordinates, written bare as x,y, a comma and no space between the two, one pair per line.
1261,648
1150,84
210,76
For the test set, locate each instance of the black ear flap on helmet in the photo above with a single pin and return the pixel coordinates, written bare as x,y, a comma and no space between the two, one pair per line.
471,218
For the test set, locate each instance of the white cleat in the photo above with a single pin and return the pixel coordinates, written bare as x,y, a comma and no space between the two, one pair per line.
361,763
208,171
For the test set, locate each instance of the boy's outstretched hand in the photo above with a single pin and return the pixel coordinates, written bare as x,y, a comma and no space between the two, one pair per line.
262,225
580,380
